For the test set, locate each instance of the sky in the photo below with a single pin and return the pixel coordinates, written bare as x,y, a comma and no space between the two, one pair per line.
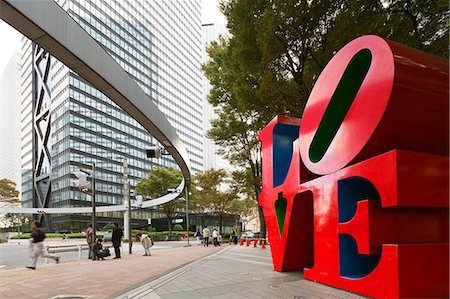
11,37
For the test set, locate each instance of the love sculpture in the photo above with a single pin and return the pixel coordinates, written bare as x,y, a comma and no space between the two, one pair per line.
356,193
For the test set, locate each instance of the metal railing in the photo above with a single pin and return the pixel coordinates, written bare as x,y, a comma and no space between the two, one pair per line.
71,247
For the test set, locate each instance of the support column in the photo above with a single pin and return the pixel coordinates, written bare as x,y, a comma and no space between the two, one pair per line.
41,131
126,224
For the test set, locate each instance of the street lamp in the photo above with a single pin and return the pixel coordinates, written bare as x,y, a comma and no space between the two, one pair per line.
126,198
82,184
187,214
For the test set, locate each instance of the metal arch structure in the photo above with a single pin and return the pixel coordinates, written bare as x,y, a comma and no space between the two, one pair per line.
48,25
86,210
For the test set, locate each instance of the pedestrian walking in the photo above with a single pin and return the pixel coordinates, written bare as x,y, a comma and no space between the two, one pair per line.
215,235
89,239
146,242
117,239
206,234
37,246
198,235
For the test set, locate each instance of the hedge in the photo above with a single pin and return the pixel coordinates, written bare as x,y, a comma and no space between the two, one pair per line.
162,236
56,236
156,236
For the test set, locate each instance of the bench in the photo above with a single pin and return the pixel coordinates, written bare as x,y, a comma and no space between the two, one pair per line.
69,248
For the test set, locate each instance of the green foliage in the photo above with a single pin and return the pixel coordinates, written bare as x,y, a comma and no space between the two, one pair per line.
163,236
79,236
208,193
173,237
177,227
23,236
277,50
157,184
109,227
9,196
56,236
8,192
158,181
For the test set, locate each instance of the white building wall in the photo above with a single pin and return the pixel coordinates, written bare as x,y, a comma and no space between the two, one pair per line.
159,44
10,144
211,159
26,120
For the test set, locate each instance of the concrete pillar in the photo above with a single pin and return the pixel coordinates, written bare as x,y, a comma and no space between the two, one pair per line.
126,224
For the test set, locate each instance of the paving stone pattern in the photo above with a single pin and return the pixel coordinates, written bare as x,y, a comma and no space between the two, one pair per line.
95,279
235,272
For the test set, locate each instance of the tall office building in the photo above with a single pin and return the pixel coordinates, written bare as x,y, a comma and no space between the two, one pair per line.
159,44
10,159
210,32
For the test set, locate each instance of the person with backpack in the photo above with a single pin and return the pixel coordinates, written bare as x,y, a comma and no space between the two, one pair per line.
198,235
146,242
37,246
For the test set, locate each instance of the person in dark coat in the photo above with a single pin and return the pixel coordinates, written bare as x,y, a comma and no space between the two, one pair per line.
98,251
37,246
117,239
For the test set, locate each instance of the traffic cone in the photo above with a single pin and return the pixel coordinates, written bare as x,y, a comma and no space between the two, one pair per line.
247,242
254,242
263,244
241,242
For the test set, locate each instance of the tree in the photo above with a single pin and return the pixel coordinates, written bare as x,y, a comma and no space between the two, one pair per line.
8,192
277,49
158,182
241,182
9,196
210,196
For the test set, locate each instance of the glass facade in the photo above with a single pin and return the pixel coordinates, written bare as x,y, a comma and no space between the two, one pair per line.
158,43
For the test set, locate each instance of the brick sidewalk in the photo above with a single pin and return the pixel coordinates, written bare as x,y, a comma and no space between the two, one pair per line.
110,276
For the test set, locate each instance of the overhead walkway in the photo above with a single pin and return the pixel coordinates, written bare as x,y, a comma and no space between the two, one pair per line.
49,26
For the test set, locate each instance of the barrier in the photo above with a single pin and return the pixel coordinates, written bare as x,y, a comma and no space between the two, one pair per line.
70,248
263,244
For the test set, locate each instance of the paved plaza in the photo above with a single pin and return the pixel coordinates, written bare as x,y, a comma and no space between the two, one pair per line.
186,272
234,272
95,279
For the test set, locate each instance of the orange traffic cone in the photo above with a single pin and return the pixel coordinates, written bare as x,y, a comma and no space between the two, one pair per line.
255,241
241,242
247,242
263,244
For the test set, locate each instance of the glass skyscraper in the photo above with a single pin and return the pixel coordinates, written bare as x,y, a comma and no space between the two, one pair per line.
159,44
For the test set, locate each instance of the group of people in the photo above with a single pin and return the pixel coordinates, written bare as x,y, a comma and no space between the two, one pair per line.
206,233
97,251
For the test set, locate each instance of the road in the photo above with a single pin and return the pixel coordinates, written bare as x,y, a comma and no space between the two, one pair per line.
14,256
